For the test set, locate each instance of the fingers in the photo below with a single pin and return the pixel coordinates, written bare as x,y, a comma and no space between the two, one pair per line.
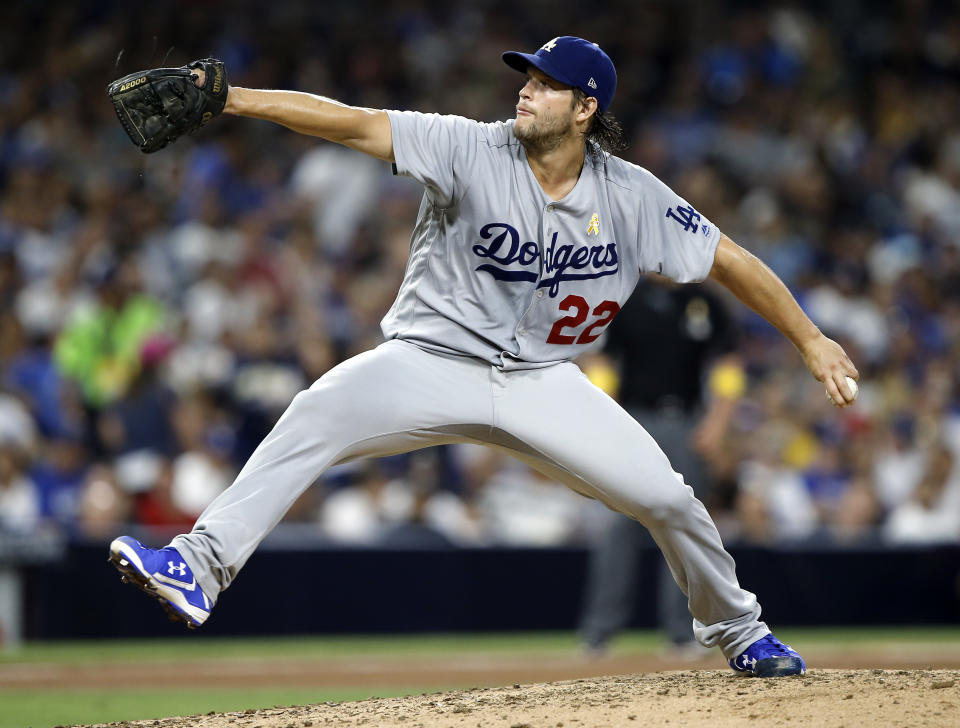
843,385
833,393
835,367
849,369
199,77
841,389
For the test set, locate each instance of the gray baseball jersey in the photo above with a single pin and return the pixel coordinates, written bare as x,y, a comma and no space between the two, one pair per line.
499,271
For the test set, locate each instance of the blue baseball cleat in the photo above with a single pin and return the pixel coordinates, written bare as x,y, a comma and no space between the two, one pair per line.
165,576
769,657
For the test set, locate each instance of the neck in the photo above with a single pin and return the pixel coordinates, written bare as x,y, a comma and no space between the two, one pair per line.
557,169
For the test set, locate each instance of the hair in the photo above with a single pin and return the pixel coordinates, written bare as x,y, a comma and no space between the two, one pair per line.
604,131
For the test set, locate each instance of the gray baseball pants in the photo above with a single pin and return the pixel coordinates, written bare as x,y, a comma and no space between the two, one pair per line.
614,567
399,397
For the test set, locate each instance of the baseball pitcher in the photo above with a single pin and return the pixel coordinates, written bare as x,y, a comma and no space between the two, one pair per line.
530,237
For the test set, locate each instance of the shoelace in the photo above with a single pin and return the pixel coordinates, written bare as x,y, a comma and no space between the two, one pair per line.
780,648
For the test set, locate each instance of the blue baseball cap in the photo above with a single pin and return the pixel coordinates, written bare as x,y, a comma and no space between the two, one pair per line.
575,62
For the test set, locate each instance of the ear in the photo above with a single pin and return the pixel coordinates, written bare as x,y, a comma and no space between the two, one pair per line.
586,109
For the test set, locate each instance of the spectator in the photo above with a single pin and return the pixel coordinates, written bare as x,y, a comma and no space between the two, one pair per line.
19,501
136,430
104,505
158,507
59,473
773,503
100,346
200,475
354,514
932,512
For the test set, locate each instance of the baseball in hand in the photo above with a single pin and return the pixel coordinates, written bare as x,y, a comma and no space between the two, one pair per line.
852,388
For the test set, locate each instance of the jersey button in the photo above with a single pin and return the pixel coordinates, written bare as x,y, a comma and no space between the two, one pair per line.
549,208
522,332
540,293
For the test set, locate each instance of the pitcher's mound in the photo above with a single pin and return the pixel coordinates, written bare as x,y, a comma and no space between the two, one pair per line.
693,698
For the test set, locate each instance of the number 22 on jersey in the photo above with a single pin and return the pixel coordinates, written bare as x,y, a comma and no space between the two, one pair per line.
579,309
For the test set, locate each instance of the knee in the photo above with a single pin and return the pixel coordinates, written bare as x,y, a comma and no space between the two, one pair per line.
305,401
667,500
316,401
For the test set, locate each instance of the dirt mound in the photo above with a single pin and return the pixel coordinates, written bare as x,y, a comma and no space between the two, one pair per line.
692,698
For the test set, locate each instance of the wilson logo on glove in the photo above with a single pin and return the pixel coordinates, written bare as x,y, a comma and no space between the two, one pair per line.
218,79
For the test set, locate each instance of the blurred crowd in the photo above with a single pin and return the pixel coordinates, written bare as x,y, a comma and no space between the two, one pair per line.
159,312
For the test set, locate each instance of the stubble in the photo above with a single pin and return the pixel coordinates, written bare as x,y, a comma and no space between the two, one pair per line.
544,134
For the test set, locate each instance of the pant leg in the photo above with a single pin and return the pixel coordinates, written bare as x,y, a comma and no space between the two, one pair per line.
673,611
611,586
393,399
574,432
673,430
613,568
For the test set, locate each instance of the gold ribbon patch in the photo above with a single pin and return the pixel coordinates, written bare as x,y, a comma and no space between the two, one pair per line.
594,228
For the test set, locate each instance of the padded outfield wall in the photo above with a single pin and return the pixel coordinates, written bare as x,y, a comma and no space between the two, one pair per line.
309,588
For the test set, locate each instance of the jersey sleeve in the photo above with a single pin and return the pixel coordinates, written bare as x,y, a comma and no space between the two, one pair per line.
435,150
675,239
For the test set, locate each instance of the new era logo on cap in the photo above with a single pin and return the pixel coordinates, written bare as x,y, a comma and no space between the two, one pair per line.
573,61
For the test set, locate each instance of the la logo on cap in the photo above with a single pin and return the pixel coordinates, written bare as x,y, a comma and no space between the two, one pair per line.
549,46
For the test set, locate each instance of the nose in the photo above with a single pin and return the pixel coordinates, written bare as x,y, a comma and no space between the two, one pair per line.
525,91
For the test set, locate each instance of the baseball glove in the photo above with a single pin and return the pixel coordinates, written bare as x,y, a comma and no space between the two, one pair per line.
159,106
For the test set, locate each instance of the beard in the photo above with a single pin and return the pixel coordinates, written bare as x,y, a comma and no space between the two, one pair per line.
543,134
